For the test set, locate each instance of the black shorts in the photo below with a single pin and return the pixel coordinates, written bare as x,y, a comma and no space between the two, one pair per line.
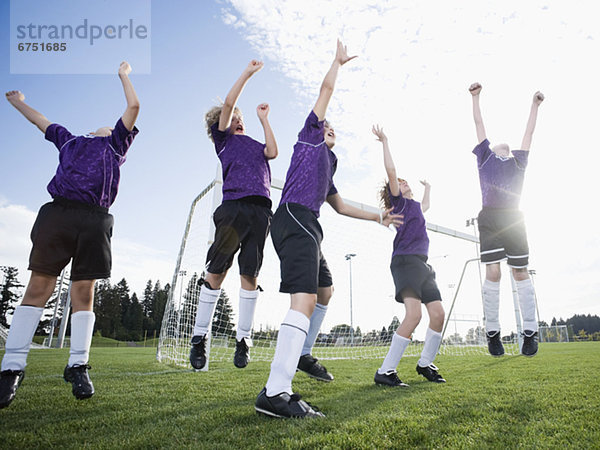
297,237
66,229
502,236
412,271
239,224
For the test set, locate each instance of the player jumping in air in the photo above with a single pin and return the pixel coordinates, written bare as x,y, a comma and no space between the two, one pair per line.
75,225
242,221
414,279
297,237
501,224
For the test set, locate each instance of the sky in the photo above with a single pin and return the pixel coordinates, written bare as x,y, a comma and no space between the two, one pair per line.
415,63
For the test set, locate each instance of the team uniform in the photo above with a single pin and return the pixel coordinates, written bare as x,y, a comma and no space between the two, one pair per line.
242,223
75,225
501,224
297,237
410,270
502,236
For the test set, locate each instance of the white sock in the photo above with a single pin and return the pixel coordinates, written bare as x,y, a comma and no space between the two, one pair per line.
206,308
247,307
433,339
316,320
22,328
491,305
527,303
82,329
292,334
394,355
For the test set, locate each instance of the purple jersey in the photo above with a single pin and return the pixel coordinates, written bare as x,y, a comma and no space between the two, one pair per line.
411,237
500,178
309,179
246,170
89,166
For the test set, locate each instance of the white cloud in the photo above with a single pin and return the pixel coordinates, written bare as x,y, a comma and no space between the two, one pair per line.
416,60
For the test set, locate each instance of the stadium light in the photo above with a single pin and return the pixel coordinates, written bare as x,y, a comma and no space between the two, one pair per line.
349,257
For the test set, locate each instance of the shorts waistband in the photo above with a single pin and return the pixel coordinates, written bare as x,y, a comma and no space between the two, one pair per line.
298,206
80,205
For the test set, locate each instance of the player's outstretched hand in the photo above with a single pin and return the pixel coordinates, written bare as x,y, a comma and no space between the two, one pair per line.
254,66
538,98
262,110
378,131
475,89
393,219
425,183
341,55
15,96
124,69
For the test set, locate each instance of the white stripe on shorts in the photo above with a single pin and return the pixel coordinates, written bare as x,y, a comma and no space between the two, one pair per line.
302,226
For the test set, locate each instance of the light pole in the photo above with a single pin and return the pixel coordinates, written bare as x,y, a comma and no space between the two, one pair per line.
349,257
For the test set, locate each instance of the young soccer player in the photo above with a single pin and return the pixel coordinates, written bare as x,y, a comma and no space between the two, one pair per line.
75,225
501,224
414,279
242,221
297,237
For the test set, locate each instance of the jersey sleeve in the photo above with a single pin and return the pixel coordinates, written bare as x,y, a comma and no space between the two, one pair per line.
483,152
219,137
312,132
332,190
121,138
58,135
521,158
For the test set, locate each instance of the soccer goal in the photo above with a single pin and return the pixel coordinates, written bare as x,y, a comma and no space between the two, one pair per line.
362,315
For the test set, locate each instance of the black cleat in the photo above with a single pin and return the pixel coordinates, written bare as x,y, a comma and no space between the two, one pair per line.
431,373
495,346
285,405
198,352
242,354
311,366
10,380
530,343
78,376
390,378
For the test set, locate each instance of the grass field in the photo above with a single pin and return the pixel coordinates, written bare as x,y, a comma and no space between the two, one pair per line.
550,401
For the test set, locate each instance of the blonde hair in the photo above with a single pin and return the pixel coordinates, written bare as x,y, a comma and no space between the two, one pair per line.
213,115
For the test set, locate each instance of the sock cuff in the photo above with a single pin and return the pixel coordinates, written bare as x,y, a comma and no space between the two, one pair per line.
524,283
296,319
495,285
321,307
83,315
209,295
401,338
431,332
250,295
29,309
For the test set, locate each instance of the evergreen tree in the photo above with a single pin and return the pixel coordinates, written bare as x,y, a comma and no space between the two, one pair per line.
159,302
9,293
222,323
133,319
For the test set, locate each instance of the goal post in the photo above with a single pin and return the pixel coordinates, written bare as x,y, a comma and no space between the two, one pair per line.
362,315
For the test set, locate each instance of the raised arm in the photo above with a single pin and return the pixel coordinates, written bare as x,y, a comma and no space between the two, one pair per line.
384,217
271,151
538,98
341,58
17,99
425,203
133,104
475,89
234,93
388,162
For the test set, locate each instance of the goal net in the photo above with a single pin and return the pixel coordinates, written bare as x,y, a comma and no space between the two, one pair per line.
362,314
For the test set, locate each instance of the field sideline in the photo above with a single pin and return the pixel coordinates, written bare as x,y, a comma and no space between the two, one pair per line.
549,401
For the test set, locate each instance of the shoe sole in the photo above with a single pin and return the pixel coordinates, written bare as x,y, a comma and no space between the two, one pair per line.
326,380
404,385
269,413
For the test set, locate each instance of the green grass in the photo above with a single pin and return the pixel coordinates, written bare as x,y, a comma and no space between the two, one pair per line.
552,400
